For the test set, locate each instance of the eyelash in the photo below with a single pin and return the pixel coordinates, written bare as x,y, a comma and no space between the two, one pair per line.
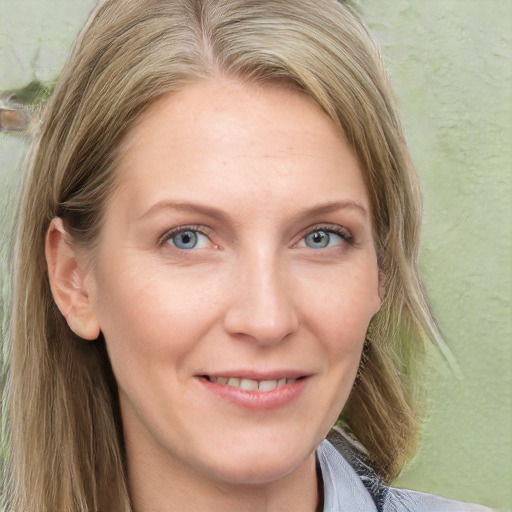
165,237
341,231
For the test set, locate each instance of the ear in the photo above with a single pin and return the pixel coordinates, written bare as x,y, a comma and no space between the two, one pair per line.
382,285
381,290
68,282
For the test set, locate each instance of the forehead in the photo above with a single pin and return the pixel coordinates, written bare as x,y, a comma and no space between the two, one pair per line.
227,140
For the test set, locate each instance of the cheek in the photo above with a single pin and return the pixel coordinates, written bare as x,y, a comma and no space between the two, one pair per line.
146,317
344,305
340,316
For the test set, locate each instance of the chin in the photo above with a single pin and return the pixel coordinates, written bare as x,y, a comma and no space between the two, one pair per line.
261,462
258,470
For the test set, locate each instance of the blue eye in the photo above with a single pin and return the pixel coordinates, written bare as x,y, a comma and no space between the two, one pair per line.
187,240
321,239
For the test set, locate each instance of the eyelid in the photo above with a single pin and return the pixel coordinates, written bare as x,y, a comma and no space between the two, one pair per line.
167,235
342,231
337,229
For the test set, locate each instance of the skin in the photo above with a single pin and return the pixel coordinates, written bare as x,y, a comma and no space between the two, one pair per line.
253,173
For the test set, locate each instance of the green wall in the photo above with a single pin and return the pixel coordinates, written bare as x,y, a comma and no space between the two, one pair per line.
451,65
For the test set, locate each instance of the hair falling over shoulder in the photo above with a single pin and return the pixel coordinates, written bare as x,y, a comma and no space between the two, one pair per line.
63,422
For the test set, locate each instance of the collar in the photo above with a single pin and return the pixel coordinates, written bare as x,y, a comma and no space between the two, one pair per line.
343,489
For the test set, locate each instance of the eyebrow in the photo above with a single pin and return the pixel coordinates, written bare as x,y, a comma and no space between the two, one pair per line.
334,206
217,213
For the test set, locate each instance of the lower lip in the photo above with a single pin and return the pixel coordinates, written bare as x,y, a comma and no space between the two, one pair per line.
261,400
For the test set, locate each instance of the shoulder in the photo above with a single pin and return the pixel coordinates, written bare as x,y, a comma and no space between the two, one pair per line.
343,456
402,500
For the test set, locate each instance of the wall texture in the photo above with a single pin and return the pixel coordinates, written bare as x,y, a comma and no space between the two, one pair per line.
451,64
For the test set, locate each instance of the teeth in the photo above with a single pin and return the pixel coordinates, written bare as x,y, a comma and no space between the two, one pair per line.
267,385
250,384
234,382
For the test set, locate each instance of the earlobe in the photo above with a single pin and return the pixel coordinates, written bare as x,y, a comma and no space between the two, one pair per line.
381,291
68,282
382,285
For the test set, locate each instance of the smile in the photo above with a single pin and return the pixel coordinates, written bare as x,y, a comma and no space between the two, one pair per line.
263,393
250,384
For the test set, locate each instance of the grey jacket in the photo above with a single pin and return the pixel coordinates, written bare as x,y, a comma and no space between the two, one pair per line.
350,485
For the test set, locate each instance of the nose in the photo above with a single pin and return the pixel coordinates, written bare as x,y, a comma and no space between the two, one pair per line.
262,308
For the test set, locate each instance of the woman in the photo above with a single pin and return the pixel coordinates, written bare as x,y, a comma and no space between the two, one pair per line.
216,260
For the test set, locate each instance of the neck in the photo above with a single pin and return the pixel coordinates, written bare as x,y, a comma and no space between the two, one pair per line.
165,486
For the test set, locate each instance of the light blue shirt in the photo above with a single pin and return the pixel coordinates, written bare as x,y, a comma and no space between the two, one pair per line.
344,491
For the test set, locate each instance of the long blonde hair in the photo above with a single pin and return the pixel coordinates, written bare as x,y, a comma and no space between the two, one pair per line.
64,429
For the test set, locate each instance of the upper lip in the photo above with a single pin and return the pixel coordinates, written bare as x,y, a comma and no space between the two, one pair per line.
258,374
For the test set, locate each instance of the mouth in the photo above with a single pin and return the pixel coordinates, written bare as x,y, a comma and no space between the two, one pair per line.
245,384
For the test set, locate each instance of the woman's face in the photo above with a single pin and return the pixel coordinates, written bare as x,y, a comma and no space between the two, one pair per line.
235,279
